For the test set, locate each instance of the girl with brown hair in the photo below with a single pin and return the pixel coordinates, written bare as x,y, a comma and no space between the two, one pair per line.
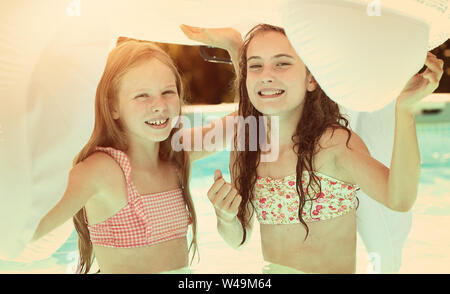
128,189
305,200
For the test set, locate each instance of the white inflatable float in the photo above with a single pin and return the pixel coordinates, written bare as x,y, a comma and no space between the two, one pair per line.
362,52
52,54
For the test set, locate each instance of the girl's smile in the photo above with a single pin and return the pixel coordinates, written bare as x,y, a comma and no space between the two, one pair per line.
158,124
270,93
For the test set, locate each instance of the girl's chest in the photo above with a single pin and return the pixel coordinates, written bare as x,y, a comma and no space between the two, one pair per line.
286,164
167,178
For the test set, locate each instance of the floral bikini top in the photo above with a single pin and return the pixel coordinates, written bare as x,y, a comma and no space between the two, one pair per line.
276,201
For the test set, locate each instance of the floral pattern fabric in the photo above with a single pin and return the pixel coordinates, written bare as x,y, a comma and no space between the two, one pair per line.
277,202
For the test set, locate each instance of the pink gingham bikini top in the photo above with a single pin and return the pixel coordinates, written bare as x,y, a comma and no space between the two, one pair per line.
146,219
276,201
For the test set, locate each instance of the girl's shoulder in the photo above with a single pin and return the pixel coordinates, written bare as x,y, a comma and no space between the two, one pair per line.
338,140
339,136
102,169
339,147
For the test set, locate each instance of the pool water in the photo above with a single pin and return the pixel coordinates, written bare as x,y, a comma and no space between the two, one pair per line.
427,249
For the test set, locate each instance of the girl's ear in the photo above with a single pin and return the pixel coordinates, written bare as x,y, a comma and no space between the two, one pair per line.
114,108
311,83
115,112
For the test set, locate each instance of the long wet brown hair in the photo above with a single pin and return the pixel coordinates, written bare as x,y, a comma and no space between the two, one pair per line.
110,133
319,113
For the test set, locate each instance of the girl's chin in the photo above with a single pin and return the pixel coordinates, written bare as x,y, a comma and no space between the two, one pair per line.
279,108
160,137
266,110
155,136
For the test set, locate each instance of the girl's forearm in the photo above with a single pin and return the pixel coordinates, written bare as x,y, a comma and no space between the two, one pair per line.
405,164
234,55
231,232
44,227
233,51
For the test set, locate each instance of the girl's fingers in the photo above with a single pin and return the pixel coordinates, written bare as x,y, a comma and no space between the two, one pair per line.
434,70
432,77
434,57
193,33
190,29
223,196
220,195
215,188
217,174
434,64
228,199
235,204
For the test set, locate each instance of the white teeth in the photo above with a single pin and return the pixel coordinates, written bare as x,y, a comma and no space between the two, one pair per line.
271,92
156,122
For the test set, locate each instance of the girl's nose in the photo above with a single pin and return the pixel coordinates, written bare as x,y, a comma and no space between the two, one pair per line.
267,80
267,76
159,105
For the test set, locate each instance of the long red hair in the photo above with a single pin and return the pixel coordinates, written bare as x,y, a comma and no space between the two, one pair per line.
110,133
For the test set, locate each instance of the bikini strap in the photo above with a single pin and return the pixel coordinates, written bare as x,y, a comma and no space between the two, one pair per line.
124,162
134,200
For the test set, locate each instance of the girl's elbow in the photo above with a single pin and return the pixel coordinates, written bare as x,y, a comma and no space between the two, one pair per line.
401,206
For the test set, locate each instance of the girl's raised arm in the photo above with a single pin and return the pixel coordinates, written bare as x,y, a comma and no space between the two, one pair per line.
224,38
395,187
230,40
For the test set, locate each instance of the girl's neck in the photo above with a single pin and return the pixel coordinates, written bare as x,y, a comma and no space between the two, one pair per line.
287,126
144,156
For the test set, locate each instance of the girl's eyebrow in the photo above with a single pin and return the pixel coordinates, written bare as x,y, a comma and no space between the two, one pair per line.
146,89
282,55
253,57
273,57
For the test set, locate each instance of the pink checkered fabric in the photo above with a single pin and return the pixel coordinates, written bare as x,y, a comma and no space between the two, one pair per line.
146,219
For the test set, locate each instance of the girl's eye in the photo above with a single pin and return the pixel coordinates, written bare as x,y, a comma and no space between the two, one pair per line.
282,64
169,92
142,97
255,66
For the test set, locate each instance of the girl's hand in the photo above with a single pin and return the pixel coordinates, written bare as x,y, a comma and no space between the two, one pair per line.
225,38
224,198
421,85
